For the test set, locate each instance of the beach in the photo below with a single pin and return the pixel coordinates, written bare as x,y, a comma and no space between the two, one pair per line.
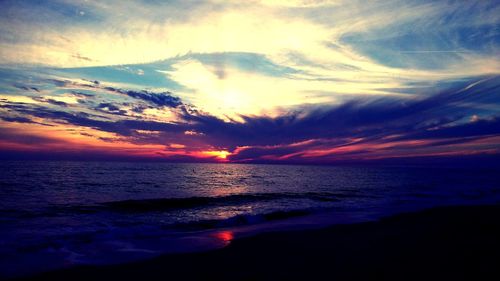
444,243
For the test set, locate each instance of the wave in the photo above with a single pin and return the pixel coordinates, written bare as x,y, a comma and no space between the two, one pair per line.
170,204
165,204
241,220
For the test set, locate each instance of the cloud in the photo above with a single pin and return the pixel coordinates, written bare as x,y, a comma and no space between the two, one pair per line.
18,119
358,128
111,108
51,101
254,58
286,80
159,99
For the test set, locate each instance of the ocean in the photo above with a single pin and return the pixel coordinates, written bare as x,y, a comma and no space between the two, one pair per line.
60,214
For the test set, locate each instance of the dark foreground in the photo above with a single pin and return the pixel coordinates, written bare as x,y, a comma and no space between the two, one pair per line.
452,243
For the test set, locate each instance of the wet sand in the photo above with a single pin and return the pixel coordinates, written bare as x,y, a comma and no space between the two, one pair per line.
448,243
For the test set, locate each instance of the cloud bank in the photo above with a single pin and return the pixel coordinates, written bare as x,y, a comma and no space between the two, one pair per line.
250,81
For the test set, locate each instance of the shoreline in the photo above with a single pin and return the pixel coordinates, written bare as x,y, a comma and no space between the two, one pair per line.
441,243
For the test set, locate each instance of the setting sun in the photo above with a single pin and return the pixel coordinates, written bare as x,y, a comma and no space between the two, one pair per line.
220,154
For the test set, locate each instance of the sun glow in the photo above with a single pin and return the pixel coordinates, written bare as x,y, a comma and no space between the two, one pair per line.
225,236
221,154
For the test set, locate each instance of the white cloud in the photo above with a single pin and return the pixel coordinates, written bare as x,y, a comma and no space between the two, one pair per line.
283,31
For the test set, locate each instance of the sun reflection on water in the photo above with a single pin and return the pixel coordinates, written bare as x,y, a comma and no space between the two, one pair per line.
225,236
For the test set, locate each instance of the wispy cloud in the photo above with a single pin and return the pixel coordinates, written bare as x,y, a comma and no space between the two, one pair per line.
356,129
275,80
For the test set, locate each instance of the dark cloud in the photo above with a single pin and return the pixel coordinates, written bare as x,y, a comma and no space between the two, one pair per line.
139,108
162,99
110,108
16,119
27,88
59,83
81,95
441,119
158,99
55,102
470,129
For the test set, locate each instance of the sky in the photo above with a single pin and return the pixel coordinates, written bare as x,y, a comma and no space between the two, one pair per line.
299,81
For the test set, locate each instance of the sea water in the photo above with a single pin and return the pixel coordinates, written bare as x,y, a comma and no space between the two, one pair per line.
60,214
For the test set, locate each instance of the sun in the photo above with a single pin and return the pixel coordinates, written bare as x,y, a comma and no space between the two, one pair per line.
223,154
219,154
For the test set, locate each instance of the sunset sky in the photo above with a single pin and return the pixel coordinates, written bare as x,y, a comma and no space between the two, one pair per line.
249,81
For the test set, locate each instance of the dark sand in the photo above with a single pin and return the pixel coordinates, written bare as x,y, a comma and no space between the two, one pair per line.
452,243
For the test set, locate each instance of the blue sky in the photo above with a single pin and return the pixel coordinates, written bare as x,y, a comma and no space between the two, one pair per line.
302,81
